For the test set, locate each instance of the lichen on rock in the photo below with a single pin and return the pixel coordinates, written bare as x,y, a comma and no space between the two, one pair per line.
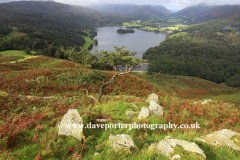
122,142
175,148
224,137
71,124
152,97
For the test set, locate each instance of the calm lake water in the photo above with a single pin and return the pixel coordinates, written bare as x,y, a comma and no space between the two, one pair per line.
138,42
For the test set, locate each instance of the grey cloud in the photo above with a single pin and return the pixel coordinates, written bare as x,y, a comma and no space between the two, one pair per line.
170,4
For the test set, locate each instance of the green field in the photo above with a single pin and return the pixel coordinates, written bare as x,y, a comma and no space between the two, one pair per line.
126,24
88,41
148,28
178,34
131,24
136,22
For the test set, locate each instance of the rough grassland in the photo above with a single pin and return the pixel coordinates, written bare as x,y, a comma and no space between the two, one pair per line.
14,34
12,52
28,126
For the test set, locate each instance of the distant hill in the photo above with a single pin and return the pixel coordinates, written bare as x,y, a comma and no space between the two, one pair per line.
217,12
50,9
160,9
47,25
146,11
123,9
209,50
132,9
194,10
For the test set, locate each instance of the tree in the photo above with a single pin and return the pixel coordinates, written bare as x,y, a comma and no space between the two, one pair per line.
28,51
95,42
79,55
90,47
117,59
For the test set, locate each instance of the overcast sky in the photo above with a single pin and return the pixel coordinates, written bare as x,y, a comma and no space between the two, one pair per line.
169,4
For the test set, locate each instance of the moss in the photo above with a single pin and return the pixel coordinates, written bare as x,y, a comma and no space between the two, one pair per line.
185,154
4,94
116,109
236,139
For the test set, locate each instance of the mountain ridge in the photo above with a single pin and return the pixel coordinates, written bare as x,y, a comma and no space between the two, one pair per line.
131,9
217,12
194,10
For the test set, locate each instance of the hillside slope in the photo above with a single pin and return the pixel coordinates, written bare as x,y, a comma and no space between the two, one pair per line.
34,99
217,12
44,26
210,50
139,11
194,10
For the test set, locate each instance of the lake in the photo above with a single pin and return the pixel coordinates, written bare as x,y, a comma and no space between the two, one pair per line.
138,42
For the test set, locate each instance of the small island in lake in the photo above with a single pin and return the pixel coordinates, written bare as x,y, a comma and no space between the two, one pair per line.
122,31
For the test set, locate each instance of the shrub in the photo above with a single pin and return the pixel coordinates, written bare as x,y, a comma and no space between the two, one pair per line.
149,72
28,51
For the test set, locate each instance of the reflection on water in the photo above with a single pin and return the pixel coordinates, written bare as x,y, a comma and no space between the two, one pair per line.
138,42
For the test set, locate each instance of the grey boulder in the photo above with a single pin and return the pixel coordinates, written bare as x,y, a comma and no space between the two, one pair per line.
122,142
71,124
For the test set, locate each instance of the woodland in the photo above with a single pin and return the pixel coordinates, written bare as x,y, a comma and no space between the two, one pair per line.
208,50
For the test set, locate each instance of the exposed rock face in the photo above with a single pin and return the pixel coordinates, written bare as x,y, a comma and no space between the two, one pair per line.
152,97
130,114
145,112
168,146
122,142
156,108
71,124
222,138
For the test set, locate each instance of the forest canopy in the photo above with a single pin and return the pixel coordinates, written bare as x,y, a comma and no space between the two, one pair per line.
210,51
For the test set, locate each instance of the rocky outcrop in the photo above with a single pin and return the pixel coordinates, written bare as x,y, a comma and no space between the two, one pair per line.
71,124
206,101
175,148
176,157
224,137
122,142
145,112
155,108
131,114
152,97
